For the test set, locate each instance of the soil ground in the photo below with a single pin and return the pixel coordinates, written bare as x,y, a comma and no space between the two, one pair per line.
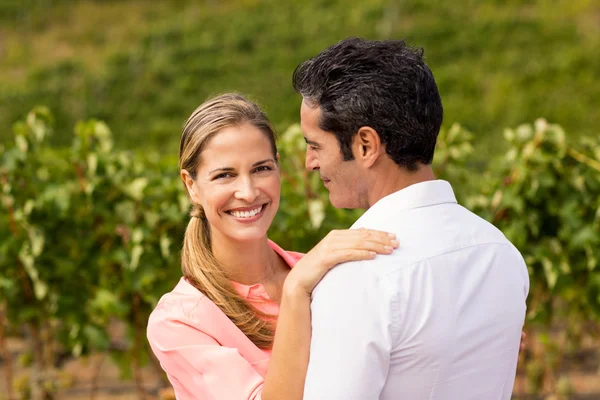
96,377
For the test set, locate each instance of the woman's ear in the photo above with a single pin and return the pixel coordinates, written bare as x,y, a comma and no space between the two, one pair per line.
367,146
190,185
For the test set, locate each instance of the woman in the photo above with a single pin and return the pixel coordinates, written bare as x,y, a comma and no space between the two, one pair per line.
214,333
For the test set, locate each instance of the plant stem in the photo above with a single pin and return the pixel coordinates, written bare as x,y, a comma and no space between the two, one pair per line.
37,392
582,158
8,373
137,373
94,388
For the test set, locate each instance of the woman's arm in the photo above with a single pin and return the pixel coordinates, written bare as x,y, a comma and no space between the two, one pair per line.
196,364
289,359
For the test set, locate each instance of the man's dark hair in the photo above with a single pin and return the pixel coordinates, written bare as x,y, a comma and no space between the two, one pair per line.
385,85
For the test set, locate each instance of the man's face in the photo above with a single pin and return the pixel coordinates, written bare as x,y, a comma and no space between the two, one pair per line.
323,154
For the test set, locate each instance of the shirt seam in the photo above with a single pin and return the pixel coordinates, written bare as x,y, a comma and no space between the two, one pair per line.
396,299
185,311
444,253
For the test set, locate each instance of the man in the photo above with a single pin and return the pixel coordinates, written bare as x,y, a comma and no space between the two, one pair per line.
441,318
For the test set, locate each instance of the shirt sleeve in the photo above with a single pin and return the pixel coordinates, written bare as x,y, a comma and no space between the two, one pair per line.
351,339
196,365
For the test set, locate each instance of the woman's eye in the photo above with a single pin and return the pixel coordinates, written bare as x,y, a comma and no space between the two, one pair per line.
263,168
223,175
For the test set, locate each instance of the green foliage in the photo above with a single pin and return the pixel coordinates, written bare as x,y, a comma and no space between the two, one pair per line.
497,63
91,234
545,196
87,235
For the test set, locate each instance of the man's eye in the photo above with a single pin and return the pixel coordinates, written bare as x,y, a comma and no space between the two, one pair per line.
313,148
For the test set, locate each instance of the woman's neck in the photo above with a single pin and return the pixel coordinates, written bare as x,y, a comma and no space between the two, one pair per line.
247,263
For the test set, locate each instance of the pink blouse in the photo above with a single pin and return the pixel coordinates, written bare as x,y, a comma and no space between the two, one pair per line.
203,353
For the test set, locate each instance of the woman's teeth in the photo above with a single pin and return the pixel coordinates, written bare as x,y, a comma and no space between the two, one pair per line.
246,214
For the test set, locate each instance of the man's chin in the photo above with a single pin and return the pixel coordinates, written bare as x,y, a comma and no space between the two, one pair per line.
350,200
339,201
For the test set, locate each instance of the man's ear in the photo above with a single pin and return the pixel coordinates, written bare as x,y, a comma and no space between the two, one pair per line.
367,146
190,186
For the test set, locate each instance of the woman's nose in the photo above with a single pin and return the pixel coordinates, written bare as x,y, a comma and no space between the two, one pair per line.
247,190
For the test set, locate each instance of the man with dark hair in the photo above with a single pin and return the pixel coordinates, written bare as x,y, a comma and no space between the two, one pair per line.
441,317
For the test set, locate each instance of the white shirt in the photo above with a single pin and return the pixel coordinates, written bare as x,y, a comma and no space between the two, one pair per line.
439,319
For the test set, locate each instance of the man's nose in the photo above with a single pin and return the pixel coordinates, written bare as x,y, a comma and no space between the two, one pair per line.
247,190
311,163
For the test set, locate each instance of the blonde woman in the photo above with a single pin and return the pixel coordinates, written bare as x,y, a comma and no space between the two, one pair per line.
214,334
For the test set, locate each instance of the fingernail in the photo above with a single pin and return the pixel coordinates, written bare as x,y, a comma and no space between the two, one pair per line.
372,254
395,243
388,248
392,235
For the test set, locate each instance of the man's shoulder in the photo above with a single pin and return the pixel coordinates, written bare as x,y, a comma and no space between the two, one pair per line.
345,279
430,232
359,279
439,225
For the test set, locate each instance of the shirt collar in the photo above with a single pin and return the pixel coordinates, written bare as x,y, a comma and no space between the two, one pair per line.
422,194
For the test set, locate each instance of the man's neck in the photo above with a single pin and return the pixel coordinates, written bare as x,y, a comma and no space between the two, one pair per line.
247,263
395,178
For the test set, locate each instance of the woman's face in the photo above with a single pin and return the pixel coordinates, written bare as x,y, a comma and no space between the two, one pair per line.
237,183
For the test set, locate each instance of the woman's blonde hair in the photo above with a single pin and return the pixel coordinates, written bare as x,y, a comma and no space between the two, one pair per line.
198,264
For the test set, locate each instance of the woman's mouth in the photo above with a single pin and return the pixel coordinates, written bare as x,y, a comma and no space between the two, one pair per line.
248,214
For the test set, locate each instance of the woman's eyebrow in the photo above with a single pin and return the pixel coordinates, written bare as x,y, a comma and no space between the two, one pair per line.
222,169
263,161
229,169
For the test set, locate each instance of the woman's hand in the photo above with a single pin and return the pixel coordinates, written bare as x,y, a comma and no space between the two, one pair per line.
290,355
337,247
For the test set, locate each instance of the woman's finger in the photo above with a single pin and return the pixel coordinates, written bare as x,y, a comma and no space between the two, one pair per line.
358,239
362,233
372,234
366,250
378,246
351,255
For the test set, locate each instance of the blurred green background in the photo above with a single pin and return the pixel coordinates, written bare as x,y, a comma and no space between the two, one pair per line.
90,231
143,66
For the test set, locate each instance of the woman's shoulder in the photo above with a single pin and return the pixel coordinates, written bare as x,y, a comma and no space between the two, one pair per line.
186,313
183,302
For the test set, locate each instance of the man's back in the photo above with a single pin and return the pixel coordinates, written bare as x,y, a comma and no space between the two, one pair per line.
441,318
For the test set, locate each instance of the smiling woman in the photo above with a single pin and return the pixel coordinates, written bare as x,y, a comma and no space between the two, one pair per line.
238,190
214,334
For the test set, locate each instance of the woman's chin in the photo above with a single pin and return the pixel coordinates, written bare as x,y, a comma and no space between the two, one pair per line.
250,236
249,233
